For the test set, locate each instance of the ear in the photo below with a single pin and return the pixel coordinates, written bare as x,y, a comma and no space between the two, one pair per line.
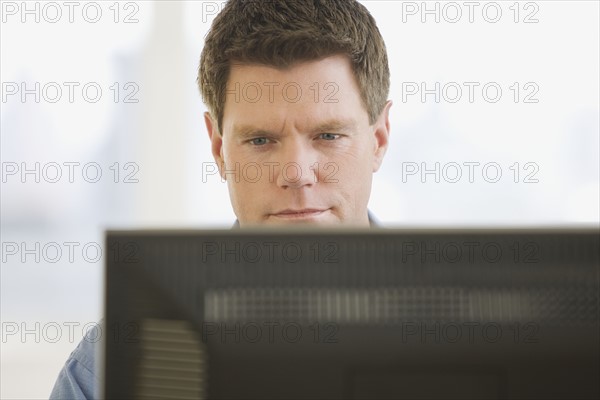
216,141
382,134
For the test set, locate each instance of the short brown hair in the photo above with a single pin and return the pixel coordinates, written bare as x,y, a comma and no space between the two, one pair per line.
281,33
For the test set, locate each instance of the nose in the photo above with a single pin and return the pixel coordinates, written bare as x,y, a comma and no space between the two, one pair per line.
298,165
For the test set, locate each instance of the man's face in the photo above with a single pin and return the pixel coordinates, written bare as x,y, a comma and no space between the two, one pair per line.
297,146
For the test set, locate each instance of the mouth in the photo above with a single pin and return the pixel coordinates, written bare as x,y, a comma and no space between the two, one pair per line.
306,213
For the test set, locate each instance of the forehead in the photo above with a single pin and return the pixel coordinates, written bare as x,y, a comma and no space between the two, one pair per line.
306,94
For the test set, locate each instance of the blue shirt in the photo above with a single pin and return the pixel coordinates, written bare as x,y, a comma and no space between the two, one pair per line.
78,378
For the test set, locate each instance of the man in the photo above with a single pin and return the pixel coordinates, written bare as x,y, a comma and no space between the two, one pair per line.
298,121
297,90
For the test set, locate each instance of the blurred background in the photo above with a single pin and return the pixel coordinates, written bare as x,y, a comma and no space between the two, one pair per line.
495,122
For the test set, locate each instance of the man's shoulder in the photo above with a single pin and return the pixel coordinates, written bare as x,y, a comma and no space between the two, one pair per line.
85,352
78,378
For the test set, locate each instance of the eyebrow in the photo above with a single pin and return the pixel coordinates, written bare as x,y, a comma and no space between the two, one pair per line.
334,125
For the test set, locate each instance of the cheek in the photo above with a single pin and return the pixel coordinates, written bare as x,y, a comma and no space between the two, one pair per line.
228,151
235,154
246,198
355,162
248,184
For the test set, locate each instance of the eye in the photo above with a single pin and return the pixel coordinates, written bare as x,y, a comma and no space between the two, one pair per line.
258,141
329,136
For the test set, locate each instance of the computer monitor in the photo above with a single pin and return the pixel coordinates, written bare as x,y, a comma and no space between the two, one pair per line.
354,314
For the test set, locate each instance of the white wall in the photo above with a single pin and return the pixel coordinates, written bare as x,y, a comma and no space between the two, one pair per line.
161,142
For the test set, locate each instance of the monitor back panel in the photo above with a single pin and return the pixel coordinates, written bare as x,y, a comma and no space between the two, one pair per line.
352,314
